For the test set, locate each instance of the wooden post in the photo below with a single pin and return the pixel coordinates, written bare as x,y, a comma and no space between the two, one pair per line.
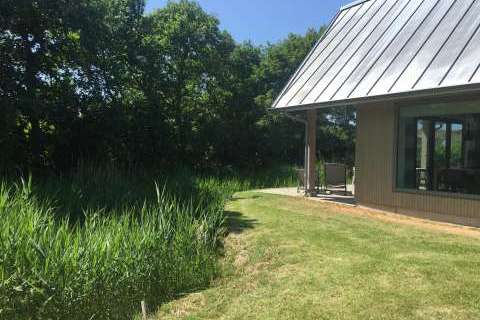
311,163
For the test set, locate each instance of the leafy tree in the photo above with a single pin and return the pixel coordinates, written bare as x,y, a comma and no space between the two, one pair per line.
101,81
185,56
336,127
59,59
284,137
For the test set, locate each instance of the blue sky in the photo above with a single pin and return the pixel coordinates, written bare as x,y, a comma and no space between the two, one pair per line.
265,21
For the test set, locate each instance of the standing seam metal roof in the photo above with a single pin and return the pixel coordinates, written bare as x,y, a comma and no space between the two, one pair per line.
376,49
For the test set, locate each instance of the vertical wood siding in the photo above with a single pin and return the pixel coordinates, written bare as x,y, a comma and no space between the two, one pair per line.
375,165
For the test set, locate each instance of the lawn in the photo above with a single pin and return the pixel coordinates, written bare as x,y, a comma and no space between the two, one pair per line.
288,258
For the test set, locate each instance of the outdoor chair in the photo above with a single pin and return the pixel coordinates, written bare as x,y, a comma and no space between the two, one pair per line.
455,180
301,181
335,177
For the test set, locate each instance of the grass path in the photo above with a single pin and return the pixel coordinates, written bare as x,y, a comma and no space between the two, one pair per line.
288,258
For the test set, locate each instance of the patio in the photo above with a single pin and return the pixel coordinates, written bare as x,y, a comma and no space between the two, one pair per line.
334,195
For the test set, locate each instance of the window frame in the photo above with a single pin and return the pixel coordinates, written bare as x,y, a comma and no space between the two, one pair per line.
395,153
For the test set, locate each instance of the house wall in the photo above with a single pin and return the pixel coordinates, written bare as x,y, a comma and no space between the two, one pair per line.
375,174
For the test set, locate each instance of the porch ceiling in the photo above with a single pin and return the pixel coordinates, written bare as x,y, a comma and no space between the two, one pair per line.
386,49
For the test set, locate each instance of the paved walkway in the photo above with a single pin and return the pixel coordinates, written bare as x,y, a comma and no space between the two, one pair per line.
337,196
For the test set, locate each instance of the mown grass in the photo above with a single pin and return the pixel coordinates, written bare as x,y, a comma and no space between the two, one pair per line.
93,243
289,258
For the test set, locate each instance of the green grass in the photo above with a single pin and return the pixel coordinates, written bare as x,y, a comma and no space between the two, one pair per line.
93,243
287,258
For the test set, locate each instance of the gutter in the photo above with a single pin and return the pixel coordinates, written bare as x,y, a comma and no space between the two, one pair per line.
392,97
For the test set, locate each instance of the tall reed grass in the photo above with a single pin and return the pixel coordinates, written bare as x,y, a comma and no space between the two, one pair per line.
94,243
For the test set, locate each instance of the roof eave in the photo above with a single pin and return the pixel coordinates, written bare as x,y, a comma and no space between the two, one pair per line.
427,93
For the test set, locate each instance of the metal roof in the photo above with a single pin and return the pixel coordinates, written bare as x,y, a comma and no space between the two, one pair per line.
381,49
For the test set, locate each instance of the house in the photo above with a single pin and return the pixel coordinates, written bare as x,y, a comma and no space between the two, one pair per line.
411,69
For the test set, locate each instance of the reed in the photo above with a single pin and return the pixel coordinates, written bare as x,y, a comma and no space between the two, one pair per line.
94,243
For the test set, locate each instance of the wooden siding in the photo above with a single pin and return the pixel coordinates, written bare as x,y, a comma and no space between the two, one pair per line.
375,169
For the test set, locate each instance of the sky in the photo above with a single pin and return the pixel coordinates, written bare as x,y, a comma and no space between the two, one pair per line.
264,21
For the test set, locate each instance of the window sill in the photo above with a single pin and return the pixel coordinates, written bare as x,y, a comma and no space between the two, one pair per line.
439,194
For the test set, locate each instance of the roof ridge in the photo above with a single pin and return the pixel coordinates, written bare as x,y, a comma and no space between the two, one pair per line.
353,4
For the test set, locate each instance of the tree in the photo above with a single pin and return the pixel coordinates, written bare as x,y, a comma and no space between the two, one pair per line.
283,137
185,55
101,81
61,57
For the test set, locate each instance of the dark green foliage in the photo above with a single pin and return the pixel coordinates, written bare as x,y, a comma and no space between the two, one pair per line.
101,81
336,136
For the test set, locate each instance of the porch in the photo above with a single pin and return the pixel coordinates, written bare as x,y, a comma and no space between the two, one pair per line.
320,178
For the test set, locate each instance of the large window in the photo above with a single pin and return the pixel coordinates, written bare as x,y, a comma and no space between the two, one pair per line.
439,147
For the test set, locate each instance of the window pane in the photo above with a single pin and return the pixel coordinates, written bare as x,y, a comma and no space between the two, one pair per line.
422,154
456,146
406,175
440,159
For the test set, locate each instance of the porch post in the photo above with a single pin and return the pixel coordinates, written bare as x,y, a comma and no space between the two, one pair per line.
311,168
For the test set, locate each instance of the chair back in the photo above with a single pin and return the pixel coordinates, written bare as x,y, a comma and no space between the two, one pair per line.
335,174
300,179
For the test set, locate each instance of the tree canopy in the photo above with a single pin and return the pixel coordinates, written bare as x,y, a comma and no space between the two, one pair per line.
102,80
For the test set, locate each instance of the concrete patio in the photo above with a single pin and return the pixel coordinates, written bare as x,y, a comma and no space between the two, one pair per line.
337,196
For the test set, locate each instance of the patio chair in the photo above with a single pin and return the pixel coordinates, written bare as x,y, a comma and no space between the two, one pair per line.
301,180
335,177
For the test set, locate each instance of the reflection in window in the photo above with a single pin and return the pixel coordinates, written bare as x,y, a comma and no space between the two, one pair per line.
439,148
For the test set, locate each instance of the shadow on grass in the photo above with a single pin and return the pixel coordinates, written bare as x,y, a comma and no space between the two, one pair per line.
238,223
111,191
234,199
